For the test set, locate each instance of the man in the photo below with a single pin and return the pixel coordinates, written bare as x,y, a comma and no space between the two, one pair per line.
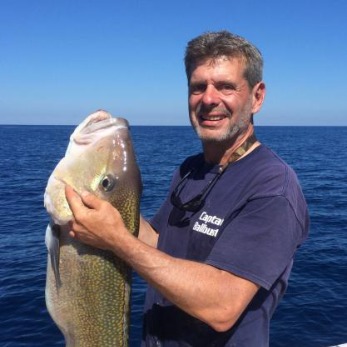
218,253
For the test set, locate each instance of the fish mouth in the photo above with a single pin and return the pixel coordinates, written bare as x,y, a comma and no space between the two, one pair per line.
95,124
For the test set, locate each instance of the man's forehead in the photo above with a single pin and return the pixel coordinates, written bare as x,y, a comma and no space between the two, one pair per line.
212,62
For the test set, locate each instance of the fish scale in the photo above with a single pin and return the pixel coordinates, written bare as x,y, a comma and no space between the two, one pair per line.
88,295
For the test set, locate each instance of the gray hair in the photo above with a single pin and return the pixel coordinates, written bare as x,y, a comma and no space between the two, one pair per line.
213,45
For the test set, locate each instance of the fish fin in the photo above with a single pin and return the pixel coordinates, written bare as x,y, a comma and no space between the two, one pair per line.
52,244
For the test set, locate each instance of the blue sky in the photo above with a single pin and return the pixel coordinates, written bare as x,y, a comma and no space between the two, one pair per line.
63,59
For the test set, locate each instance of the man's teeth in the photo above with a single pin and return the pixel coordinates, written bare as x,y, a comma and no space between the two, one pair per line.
212,118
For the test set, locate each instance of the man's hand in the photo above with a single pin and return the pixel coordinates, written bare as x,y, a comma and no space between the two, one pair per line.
96,222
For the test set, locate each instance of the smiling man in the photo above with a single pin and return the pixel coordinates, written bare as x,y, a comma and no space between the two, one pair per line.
218,253
222,103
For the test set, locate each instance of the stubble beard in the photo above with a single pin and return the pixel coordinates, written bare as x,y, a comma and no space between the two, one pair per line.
227,135
213,137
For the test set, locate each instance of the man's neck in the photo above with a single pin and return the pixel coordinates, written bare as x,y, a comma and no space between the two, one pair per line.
224,152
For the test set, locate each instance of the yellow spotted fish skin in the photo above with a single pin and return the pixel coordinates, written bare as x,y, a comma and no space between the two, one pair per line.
88,293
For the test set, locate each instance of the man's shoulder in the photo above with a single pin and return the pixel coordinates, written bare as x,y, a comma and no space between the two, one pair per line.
270,163
267,155
269,174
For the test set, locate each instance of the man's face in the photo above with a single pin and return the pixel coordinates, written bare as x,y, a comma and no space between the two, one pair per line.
221,102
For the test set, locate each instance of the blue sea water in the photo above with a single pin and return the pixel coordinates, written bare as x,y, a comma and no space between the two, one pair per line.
312,313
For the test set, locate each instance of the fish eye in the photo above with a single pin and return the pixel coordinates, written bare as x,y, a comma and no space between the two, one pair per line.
107,183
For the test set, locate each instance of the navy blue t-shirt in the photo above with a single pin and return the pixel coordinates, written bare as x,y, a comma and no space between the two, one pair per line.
253,220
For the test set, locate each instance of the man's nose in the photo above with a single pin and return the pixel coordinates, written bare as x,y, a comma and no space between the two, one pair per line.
211,95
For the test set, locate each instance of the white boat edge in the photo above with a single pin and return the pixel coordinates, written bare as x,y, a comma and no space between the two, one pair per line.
343,345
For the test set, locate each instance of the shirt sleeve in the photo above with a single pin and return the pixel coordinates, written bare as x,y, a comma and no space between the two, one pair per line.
159,220
260,242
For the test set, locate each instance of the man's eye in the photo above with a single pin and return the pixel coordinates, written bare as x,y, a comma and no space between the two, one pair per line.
226,88
197,88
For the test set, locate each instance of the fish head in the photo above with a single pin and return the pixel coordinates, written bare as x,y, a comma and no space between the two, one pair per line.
99,159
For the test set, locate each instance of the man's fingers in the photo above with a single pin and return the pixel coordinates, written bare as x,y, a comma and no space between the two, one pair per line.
72,234
73,199
78,202
90,200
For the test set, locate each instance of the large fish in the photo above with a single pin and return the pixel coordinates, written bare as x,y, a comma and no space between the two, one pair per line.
88,289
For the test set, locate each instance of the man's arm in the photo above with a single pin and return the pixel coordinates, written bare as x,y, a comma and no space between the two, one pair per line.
147,234
214,296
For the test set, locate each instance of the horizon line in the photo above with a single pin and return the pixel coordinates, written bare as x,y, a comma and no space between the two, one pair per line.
181,125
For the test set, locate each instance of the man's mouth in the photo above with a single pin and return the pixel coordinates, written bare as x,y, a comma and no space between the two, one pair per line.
212,118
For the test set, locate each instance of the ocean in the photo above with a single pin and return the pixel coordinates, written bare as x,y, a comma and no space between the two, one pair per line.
313,311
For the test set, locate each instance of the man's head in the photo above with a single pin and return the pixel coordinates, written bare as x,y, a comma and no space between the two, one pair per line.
214,45
225,87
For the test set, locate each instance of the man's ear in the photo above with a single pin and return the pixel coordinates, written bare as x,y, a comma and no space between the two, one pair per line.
258,93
